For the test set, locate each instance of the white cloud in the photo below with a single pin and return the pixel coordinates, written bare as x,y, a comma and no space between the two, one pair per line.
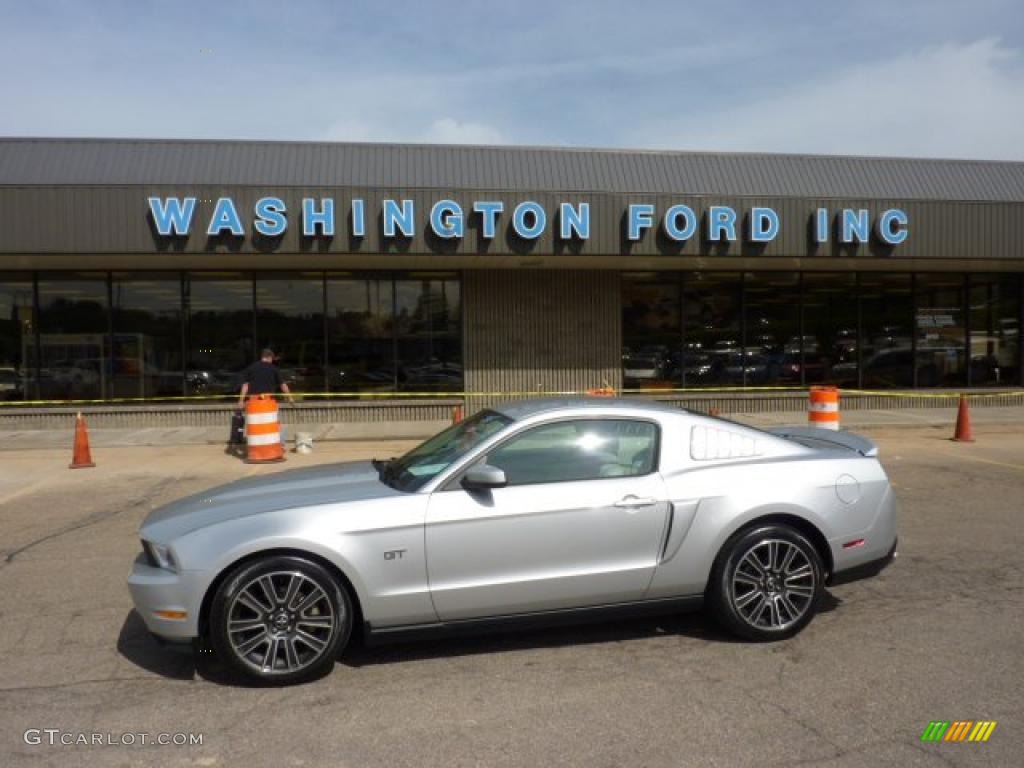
450,131
948,101
445,130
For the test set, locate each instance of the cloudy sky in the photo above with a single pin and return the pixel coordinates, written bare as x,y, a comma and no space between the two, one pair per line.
895,77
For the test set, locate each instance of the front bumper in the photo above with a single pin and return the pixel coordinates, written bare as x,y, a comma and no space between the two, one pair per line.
156,589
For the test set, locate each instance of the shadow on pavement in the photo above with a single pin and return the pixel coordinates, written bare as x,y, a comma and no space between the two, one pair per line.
137,645
185,662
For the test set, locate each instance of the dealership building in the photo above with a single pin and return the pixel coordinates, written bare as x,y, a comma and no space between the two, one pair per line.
400,276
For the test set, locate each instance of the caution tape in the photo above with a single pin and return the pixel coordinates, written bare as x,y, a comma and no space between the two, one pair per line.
930,395
1019,393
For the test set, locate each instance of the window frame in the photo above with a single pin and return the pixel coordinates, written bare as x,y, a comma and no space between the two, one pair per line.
454,482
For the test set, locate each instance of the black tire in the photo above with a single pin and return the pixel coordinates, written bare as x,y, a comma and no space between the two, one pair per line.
766,604
292,637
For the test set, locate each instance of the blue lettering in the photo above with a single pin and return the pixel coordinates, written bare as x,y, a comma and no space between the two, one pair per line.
519,224
764,225
640,217
171,217
821,225
855,224
488,213
446,219
403,218
892,226
721,220
225,217
572,220
671,222
270,220
358,218
312,218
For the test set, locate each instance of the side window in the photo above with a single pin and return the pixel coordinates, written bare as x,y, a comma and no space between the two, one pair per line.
578,450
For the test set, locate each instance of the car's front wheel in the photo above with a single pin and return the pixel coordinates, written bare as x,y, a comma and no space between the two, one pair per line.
280,619
767,583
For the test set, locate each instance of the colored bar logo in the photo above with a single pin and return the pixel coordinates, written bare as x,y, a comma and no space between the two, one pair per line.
958,730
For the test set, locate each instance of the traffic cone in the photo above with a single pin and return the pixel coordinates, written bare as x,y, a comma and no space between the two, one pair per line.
963,433
81,457
713,411
456,414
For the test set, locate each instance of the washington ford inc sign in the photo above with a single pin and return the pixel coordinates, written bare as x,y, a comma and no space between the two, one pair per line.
174,216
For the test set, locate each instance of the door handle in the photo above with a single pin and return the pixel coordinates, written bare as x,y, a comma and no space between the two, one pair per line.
633,502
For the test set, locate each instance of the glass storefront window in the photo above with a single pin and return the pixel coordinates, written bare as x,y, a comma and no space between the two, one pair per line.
17,338
154,335
74,359
652,354
360,334
772,338
290,320
887,316
427,329
147,344
220,331
995,330
941,330
712,328
830,328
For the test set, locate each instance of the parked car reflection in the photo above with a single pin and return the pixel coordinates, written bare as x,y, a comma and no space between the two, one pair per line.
11,385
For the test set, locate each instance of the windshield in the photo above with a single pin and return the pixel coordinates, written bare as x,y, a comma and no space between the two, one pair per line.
427,460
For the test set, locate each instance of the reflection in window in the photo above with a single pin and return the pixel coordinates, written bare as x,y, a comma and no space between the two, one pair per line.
427,460
360,324
941,330
427,328
887,312
17,334
772,340
830,330
290,320
73,329
147,355
651,337
578,450
712,329
220,328
995,329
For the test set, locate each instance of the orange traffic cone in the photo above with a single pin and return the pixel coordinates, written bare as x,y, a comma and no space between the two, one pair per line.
81,457
963,433
456,414
714,411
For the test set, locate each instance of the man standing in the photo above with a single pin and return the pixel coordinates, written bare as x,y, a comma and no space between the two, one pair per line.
263,378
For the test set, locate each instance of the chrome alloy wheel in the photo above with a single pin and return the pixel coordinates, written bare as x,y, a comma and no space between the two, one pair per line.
773,585
280,622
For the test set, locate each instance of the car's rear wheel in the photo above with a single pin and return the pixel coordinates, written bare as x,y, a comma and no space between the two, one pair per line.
767,583
281,619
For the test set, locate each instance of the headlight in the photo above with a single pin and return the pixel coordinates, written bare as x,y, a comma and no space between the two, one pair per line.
158,555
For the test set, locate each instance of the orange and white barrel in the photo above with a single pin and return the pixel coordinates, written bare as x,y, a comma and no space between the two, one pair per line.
262,430
823,408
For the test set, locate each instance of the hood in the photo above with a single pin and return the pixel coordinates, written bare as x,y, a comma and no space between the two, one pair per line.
326,484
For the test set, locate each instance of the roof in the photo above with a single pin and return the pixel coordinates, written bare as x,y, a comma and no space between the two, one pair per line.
521,409
126,162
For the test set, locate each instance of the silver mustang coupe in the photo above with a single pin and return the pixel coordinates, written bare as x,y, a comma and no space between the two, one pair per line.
536,510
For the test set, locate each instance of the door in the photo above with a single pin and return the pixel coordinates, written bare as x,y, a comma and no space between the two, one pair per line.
579,524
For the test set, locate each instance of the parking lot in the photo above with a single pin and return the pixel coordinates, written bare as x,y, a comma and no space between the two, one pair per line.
938,636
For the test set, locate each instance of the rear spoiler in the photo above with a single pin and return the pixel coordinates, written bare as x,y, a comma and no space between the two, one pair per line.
816,437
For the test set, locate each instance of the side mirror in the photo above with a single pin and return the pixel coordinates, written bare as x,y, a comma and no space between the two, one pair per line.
484,476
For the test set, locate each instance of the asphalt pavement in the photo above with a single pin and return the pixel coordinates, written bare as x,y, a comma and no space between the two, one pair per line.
937,636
